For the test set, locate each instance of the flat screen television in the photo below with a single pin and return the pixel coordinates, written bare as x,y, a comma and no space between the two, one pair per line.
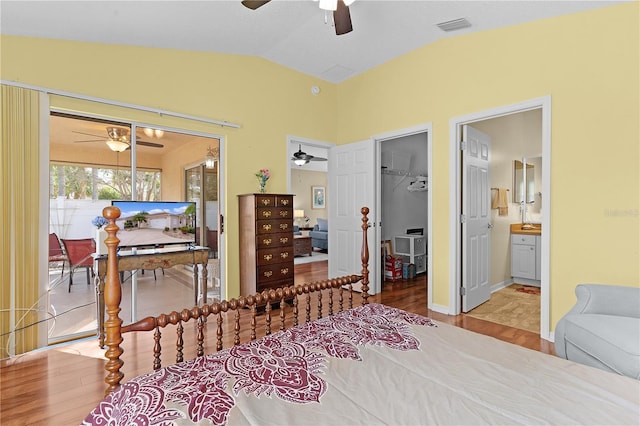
156,223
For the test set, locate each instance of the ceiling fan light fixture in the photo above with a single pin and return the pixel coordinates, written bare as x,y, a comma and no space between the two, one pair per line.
118,133
300,162
157,133
117,146
328,4
211,158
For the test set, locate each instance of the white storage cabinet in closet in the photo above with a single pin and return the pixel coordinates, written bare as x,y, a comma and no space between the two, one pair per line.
412,249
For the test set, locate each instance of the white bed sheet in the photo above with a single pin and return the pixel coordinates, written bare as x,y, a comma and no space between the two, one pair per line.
451,377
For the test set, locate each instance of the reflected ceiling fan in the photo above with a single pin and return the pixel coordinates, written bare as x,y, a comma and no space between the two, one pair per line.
301,158
117,139
340,8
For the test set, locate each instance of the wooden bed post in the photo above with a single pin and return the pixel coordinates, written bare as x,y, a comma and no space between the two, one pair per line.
112,298
364,255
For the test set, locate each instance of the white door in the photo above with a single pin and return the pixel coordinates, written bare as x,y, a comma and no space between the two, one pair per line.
476,223
351,187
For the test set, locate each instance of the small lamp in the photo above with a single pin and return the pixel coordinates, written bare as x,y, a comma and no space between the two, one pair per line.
298,214
211,158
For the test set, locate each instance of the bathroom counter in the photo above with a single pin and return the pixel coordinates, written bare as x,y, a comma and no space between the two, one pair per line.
516,228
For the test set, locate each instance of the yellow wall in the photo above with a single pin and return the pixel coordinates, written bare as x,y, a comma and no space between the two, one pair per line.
587,62
267,100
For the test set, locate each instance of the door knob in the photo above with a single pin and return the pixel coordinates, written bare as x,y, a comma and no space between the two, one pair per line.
490,225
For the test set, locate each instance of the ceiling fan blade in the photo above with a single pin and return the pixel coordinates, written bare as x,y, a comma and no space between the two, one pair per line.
88,134
254,4
342,19
90,140
151,144
317,159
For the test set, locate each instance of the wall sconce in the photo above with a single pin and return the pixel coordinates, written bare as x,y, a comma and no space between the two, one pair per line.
211,157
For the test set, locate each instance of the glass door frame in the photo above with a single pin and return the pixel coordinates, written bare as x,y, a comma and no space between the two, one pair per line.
202,212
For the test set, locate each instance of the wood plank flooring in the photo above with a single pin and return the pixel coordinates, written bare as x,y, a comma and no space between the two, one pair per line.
61,385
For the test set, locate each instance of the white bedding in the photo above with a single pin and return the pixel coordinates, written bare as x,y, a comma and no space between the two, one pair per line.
409,374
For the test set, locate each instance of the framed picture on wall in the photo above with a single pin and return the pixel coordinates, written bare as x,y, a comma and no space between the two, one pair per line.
317,197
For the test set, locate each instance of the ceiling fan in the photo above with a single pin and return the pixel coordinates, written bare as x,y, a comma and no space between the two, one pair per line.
117,139
301,158
340,8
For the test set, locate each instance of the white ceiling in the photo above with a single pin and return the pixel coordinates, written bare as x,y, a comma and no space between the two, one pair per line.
291,33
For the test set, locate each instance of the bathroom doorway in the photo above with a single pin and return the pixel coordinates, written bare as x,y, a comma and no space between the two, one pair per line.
517,131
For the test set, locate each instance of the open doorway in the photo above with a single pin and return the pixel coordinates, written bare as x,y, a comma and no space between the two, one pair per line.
405,200
517,121
405,203
307,162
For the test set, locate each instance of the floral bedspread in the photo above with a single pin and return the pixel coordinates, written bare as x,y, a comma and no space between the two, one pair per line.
289,366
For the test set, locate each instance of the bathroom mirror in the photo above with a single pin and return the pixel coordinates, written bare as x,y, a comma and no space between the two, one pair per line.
523,182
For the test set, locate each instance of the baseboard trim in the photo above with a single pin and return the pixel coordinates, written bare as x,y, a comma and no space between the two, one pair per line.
441,309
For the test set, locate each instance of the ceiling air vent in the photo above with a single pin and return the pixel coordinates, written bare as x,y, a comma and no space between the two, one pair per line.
455,24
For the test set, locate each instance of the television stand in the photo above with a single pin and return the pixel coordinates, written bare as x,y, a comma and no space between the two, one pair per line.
151,259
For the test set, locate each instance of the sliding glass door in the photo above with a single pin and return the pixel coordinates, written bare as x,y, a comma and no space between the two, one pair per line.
92,163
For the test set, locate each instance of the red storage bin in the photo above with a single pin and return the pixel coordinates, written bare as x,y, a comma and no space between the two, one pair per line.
393,268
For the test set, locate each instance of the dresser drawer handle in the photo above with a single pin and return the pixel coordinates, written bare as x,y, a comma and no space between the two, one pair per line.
266,226
284,226
284,254
284,240
267,274
266,202
284,271
284,213
285,202
266,241
266,213
268,257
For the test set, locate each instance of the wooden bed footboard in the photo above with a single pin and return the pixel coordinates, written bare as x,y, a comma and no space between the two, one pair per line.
293,302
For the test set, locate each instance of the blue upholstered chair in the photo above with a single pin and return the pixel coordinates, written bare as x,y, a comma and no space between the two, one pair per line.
320,235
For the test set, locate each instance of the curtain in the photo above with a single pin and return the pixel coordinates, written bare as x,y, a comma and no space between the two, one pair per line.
20,220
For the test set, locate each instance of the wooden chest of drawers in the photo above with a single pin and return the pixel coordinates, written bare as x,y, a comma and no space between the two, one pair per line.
266,242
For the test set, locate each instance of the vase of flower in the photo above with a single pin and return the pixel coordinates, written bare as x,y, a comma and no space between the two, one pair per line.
101,234
263,176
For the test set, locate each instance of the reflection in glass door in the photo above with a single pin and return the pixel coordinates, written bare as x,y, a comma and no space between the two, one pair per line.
202,188
92,163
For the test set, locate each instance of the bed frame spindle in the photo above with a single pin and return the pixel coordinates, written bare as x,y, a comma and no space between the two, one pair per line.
113,297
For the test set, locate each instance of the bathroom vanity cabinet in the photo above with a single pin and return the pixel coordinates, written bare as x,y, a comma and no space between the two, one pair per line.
525,256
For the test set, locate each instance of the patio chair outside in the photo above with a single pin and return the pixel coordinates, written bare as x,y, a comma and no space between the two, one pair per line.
56,254
79,253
